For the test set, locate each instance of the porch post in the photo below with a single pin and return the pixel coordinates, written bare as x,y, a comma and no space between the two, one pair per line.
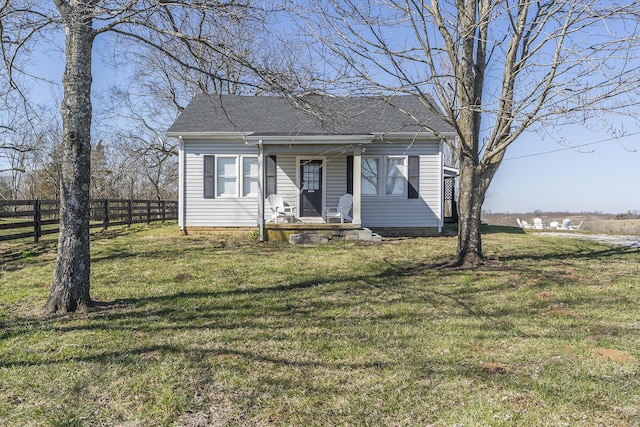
357,179
261,190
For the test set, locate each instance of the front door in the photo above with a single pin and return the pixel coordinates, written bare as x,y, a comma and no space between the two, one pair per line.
311,188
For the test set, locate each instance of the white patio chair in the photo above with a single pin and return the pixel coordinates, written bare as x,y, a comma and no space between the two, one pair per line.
566,224
576,227
340,212
279,210
522,224
537,224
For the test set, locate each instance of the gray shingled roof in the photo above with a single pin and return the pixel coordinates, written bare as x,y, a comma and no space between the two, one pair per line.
311,115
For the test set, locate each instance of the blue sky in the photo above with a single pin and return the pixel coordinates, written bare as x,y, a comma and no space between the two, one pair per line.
541,174
538,172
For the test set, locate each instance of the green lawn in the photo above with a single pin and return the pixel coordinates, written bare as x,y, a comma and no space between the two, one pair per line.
200,331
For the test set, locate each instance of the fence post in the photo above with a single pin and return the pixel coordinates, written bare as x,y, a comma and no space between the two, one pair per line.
129,212
37,221
164,210
148,211
105,214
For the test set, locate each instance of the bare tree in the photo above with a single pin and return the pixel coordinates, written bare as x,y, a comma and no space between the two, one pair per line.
494,69
158,25
136,112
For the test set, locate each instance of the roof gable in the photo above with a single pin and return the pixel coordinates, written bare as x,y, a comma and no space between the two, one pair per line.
309,115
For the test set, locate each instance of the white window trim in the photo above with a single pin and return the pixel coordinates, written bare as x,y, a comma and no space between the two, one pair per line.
404,174
239,177
244,176
381,161
382,176
219,194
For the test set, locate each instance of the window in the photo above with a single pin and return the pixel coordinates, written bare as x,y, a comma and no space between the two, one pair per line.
396,177
401,176
227,175
369,184
250,177
222,179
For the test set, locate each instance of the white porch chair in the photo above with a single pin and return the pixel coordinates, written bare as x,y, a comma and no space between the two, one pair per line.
340,212
537,224
279,209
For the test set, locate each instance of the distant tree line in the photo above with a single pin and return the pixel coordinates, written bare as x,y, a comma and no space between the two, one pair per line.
119,169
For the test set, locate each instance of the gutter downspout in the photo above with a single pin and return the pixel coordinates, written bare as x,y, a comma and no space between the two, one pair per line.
182,208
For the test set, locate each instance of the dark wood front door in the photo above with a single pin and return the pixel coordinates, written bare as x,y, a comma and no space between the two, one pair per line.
311,188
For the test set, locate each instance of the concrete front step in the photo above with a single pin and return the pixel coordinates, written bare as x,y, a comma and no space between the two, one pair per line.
364,235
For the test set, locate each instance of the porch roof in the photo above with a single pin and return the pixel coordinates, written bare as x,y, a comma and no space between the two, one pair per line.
268,117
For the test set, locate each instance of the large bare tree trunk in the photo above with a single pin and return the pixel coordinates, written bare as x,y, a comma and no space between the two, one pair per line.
474,183
470,197
70,288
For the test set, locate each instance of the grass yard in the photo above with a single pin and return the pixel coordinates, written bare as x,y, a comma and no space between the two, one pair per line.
203,331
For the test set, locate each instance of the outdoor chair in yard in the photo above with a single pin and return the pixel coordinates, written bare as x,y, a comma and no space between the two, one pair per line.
566,224
523,223
537,224
340,212
577,227
279,209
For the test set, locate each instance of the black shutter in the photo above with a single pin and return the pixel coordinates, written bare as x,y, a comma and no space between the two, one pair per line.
271,186
414,177
350,175
209,177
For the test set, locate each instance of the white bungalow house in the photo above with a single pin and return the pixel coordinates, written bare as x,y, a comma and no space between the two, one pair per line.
235,151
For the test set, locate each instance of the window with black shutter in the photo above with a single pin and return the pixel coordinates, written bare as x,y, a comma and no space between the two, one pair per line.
271,181
350,174
414,177
209,177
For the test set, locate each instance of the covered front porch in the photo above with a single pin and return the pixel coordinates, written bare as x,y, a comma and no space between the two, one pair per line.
308,178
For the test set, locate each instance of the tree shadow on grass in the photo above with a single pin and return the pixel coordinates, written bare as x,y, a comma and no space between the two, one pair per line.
584,253
501,229
241,308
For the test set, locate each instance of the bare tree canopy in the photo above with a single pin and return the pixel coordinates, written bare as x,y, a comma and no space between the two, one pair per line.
189,33
496,69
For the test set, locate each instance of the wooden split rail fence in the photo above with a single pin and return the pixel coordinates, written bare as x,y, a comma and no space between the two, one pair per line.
21,219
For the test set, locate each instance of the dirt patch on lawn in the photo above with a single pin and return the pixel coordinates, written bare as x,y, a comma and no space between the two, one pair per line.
614,355
496,368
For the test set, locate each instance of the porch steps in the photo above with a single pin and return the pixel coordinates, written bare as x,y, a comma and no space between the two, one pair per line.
365,235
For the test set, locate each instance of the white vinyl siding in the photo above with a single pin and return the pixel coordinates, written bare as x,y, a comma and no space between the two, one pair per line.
286,175
380,211
391,211
218,211
335,172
